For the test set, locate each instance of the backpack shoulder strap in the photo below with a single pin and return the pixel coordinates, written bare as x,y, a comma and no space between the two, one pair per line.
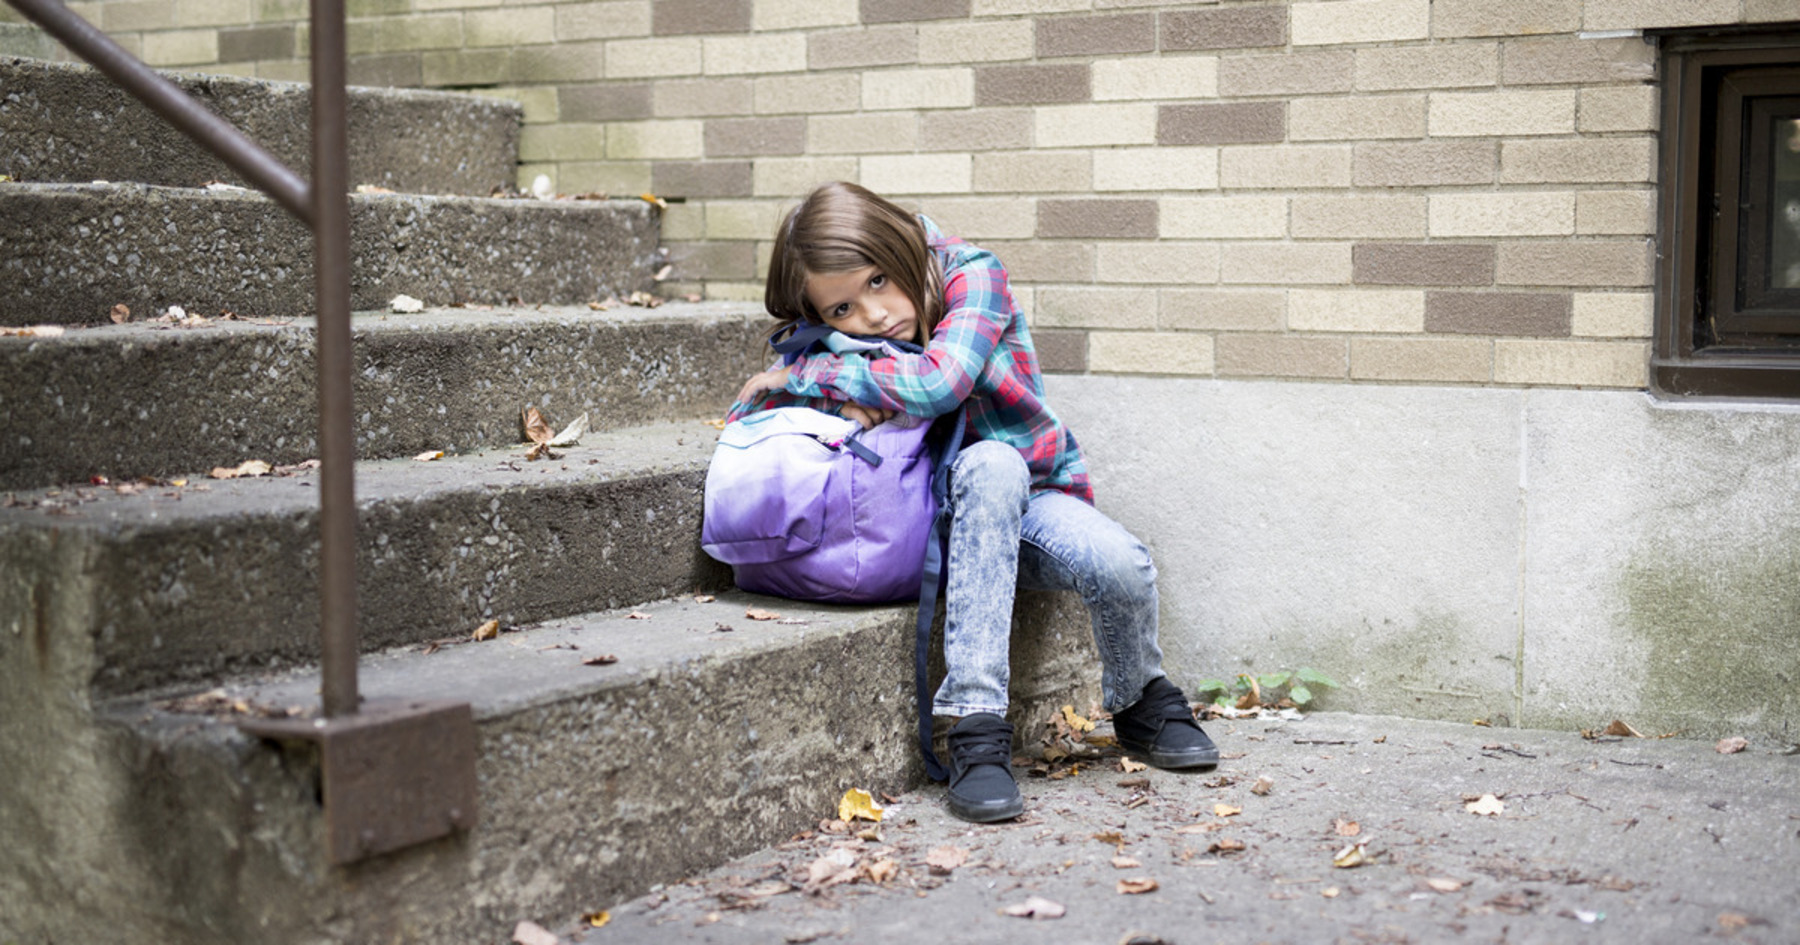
933,574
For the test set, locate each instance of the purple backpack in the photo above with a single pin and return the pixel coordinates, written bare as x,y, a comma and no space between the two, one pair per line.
805,504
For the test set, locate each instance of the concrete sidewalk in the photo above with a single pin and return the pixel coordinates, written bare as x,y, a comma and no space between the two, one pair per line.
1604,840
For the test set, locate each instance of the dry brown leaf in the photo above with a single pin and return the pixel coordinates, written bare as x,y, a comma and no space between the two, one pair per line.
1226,845
882,870
1200,828
120,314
1136,885
1486,805
1263,786
1125,863
528,932
943,860
1131,767
1346,828
637,615
1035,907
833,868
1732,745
1444,885
704,598
1618,727
604,660
757,613
1113,837
1226,810
488,631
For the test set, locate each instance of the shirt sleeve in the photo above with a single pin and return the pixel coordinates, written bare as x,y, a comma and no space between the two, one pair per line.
977,309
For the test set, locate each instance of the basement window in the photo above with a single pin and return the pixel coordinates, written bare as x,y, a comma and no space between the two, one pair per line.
1728,311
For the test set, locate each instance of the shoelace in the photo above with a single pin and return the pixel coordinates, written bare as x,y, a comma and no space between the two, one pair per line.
1166,702
982,746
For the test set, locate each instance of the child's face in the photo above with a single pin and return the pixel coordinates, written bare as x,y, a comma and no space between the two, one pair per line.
863,302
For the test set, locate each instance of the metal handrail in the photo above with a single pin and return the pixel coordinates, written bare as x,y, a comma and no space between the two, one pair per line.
324,206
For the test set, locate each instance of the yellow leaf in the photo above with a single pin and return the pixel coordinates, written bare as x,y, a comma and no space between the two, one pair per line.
1350,857
1076,722
649,198
1226,810
1486,805
488,631
597,919
428,456
858,804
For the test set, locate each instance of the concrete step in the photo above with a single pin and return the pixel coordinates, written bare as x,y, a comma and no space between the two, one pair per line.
130,589
66,122
712,735
70,252
131,400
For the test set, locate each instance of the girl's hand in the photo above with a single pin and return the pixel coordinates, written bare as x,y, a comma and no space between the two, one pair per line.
869,417
775,379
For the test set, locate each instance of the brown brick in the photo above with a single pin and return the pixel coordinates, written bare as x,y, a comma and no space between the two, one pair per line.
610,102
1422,264
723,260
1571,61
401,71
982,129
1424,163
1100,218
1229,123
1583,263
1041,261
1096,35
701,178
1061,351
1252,355
257,42
885,46
1230,28
1542,314
687,17
1032,85
744,137
896,11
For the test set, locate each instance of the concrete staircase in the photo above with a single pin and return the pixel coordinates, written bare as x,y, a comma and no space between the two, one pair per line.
145,608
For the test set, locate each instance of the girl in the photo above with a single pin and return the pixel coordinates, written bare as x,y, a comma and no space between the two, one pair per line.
1022,512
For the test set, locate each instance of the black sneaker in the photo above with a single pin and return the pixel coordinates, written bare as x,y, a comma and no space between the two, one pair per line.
1161,728
982,789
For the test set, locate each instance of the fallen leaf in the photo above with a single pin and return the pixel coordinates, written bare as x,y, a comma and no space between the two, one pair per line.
718,423
537,429
704,598
757,613
428,456
1136,885
1487,805
1113,837
541,187
120,314
1131,767
572,433
1732,745
943,860
488,631
597,919
1035,907
605,660
1074,721
1200,828
372,189
35,331
1618,727
858,804
882,870
1125,863
1329,892
531,933
1263,786
833,868
1444,885
405,304
1351,856
1346,828
1226,845
250,468
1226,810
654,200
638,615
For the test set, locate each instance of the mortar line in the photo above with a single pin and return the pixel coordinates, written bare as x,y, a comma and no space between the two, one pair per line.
1524,535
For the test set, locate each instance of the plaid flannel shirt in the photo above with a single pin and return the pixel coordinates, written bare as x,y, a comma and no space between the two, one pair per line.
980,354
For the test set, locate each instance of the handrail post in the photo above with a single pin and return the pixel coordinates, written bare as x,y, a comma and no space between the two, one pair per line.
337,442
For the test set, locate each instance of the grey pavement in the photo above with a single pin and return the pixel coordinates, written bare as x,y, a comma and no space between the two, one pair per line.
1599,840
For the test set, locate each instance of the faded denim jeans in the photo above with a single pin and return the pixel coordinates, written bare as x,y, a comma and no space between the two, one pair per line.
1003,537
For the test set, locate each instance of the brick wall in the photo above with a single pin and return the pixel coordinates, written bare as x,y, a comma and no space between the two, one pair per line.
1397,191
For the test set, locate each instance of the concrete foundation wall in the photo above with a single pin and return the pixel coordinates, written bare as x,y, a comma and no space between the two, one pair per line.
1549,558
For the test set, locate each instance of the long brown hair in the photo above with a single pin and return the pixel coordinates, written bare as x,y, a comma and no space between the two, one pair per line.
841,227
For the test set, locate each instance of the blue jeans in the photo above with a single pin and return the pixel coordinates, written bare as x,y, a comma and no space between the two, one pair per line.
1003,537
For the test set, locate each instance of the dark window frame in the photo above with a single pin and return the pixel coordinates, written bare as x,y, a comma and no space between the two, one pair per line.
1718,332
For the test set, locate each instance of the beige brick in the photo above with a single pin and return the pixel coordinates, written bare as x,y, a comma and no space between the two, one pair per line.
1571,60
1285,263
1052,261
993,41
647,58
918,173
511,26
1439,66
1361,310
751,137
1361,216
1131,352
863,49
1158,79
564,142
203,13
803,14
1223,309
1112,307
245,70
1612,314
412,33
1281,356
1313,72
1424,163
1339,22
1212,218
462,67
983,218
1631,108
1026,7
1507,213
796,177
527,173
1615,213
694,98
1089,126
271,11
743,55
1769,11
1443,360
1034,172
717,180
1455,19
918,88
684,221
862,134
133,15
181,47
1151,263
1626,160
607,19
1572,363
563,62
1492,114
1338,118
807,94
1645,14
740,219
600,177
402,70
647,140
293,70
1624,263
433,5
979,129
1286,167
1156,169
